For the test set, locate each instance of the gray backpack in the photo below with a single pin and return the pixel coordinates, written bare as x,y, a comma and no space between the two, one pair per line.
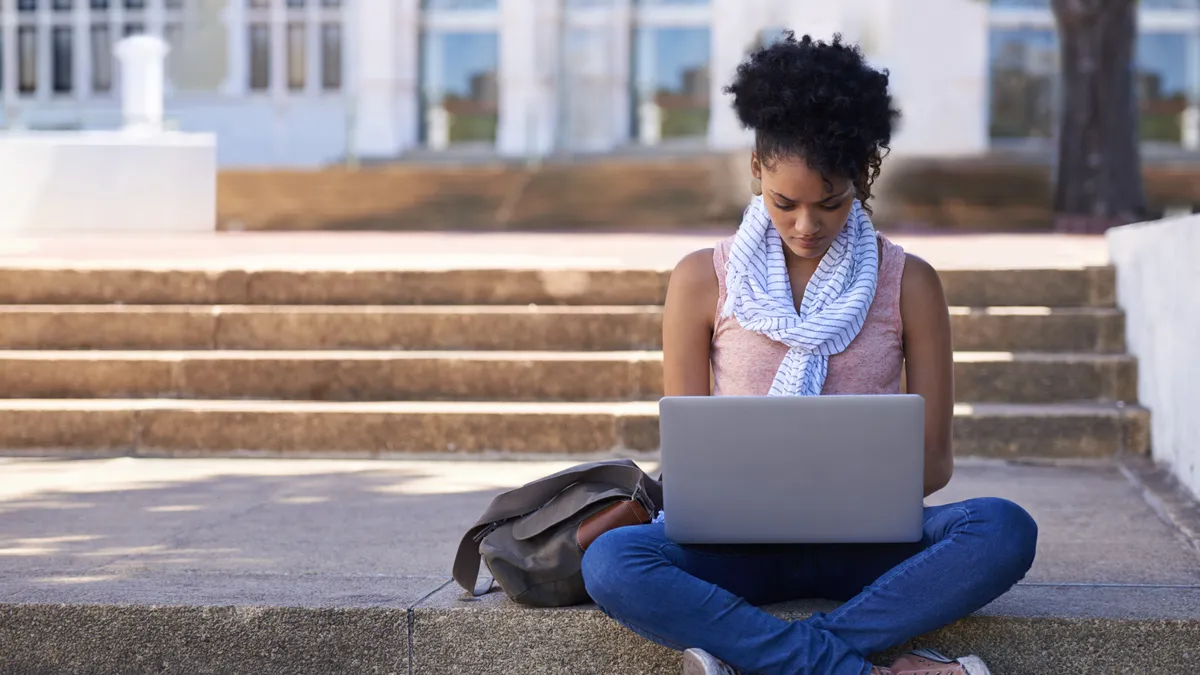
532,538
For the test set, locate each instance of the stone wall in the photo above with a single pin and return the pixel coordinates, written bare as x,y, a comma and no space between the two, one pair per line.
1158,286
989,193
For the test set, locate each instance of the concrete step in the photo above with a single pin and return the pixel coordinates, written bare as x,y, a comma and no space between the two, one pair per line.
1084,287
283,428
583,328
138,566
487,376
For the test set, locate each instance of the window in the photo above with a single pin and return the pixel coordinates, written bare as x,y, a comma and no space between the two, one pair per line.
296,36
331,56
63,59
27,59
1162,85
102,58
260,57
460,86
671,66
1024,68
309,33
461,5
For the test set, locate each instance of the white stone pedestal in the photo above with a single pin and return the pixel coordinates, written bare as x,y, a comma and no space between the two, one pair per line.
107,182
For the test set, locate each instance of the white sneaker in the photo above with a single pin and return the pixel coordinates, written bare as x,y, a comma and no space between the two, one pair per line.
700,662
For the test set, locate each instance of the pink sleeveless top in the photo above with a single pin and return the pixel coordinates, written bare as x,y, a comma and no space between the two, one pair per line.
744,363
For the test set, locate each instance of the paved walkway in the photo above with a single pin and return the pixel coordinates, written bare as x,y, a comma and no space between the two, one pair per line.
447,250
355,533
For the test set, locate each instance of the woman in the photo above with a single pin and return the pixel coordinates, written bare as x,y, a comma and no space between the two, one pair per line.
823,120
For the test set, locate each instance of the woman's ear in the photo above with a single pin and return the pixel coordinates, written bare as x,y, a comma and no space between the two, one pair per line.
755,175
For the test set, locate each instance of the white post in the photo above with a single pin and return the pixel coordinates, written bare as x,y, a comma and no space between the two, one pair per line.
649,122
735,26
371,34
519,75
142,58
1191,127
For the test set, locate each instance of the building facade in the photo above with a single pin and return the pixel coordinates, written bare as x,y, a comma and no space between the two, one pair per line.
311,82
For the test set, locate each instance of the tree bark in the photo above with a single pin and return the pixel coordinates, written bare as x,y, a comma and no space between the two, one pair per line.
1099,182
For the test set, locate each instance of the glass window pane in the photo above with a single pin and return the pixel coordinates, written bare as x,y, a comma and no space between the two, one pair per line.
26,5
102,58
135,4
260,57
454,5
331,56
296,3
296,55
27,59
672,72
62,58
1024,71
1170,4
460,86
174,4
259,4
331,3
134,29
62,5
1021,4
1162,82
98,4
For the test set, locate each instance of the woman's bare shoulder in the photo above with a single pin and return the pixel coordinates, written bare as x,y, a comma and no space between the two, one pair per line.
694,285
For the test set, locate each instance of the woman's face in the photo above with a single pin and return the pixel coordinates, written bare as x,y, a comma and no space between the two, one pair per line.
809,210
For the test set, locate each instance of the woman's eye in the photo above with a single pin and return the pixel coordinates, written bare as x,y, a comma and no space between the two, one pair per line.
781,207
833,207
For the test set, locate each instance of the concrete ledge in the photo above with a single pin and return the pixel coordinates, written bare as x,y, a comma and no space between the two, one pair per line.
1031,631
130,566
1086,287
480,327
215,428
487,375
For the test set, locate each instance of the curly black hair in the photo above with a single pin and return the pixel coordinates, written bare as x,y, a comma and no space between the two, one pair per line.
817,101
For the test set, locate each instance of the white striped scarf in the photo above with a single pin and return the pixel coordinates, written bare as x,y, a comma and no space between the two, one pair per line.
835,304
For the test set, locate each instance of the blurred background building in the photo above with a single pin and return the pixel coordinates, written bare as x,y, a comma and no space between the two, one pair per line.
304,83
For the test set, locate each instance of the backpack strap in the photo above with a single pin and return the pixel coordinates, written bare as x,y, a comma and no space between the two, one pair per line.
622,473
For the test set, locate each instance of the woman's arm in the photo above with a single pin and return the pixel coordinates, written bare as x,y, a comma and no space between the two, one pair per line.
929,364
688,325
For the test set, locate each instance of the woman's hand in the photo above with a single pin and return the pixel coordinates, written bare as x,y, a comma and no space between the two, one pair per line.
929,364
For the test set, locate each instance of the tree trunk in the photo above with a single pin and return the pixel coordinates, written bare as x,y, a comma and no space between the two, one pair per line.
1099,182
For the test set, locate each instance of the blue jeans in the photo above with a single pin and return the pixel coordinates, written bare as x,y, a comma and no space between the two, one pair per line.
708,596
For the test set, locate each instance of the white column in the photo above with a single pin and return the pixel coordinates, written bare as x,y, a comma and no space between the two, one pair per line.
735,26
943,99
522,107
82,51
142,59
237,79
407,57
1191,116
371,34
45,41
622,72
8,60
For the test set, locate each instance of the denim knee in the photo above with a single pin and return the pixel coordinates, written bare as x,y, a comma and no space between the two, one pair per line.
610,565
1012,533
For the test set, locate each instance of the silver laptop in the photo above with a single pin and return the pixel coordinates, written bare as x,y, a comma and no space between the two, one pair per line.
793,469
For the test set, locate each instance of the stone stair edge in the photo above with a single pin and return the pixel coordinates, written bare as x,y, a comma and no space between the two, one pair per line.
1087,286
1078,628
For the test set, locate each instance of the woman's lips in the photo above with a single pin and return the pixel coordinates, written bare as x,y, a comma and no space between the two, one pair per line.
807,242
